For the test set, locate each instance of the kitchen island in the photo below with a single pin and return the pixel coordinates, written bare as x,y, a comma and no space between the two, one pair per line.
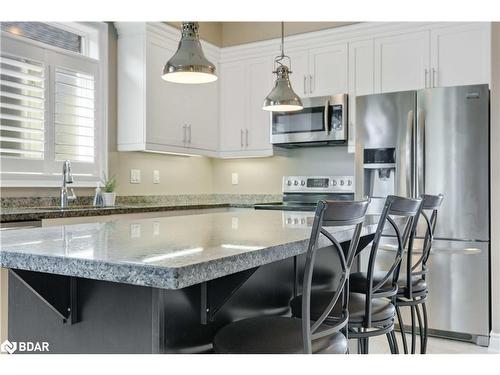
156,285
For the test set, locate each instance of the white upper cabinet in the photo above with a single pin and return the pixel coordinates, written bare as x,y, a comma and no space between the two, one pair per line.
155,115
460,55
299,78
225,118
245,126
161,98
260,83
361,81
233,107
328,70
402,62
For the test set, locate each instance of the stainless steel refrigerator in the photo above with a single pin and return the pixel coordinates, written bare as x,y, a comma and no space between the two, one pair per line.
437,141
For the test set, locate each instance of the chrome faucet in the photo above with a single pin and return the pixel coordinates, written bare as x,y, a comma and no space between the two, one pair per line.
67,179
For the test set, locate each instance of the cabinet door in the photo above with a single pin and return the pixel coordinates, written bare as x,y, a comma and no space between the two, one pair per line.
260,82
202,116
165,101
460,55
233,99
361,81
299,78
402,62
328,70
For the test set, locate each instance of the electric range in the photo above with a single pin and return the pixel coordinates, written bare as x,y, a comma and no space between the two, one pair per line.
302,193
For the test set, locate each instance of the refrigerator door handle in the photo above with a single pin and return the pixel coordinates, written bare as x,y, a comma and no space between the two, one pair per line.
408,154
420,157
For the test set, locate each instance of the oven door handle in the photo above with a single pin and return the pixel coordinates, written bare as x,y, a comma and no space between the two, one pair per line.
325,117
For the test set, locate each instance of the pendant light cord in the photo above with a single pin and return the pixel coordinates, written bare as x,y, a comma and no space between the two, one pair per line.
278,60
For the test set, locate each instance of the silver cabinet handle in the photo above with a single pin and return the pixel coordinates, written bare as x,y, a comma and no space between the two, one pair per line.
305,84
310,84
433,77
189,133
425,77
246,137
184,137
241,138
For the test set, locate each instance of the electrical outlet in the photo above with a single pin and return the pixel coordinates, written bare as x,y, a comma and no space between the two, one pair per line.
234,178
135,176
135,230
156,176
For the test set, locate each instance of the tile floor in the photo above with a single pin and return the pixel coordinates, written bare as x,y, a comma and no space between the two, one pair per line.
379,345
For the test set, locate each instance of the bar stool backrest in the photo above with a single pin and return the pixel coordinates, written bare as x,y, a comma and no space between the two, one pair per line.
396,210
330,214
430,206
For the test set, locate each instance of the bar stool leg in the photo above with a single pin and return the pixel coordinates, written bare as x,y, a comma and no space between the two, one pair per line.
426,327
395,341
413,330
391,344
402,329
421,329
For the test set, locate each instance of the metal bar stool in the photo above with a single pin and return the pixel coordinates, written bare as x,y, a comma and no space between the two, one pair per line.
279,334
371,298
413,289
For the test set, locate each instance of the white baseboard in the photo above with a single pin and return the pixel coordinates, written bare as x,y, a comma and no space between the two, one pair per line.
494,346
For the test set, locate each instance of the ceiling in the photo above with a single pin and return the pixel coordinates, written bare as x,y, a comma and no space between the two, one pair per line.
225,34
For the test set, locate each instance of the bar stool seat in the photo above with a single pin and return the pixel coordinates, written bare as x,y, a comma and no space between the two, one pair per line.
273,335
382,308
358,282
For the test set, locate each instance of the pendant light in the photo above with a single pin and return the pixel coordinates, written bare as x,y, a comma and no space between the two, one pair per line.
282,98
189,64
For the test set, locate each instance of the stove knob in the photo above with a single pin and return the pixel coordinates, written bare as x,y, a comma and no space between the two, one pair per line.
295,221
296,182
289,221
303,183
341,182
302,221
334,182
289,182
349,182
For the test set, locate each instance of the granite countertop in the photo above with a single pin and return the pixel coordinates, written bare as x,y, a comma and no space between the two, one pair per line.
40,213
164,252
37,208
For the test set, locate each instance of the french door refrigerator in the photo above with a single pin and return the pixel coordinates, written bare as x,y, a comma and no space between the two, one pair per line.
436,141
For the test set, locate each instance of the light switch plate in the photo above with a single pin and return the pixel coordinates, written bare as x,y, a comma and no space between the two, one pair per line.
234,178
156,176
135,176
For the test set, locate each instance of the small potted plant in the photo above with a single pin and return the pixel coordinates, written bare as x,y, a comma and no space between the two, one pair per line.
109,195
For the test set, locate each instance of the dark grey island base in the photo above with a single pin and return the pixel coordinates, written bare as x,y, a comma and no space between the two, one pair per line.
92,314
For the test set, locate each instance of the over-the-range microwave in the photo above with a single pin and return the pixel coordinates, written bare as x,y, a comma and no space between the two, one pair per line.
322,121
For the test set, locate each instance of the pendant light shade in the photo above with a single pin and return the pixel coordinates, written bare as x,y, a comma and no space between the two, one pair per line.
189,64
282,98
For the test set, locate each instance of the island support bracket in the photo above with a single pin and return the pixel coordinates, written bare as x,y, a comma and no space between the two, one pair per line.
58,292
215,293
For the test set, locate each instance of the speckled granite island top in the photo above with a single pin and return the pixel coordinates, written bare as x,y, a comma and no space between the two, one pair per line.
164,252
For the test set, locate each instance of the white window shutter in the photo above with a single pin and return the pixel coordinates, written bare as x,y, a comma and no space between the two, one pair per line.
22,108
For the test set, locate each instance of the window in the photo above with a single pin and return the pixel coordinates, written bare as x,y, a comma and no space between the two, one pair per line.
51,106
